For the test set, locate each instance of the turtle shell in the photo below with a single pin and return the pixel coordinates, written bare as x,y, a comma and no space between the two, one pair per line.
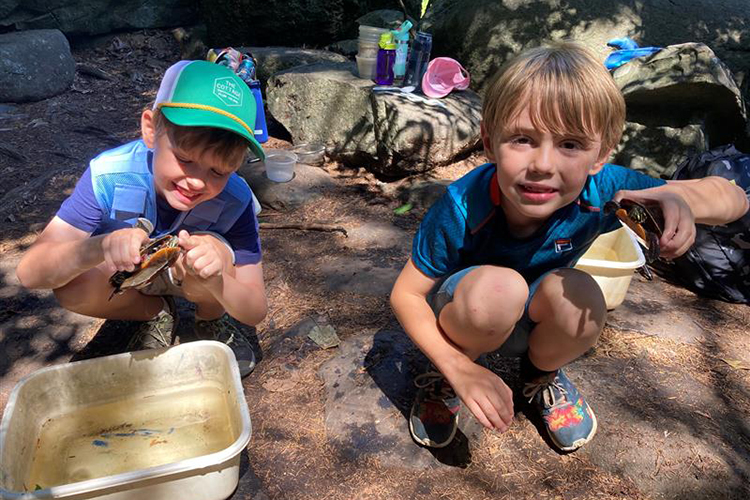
156,256
647,222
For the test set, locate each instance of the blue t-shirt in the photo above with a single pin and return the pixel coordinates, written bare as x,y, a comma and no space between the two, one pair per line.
81,210
467,227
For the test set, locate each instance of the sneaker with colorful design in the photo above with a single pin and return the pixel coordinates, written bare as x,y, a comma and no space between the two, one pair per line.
569,420
433,420
221,329
157,332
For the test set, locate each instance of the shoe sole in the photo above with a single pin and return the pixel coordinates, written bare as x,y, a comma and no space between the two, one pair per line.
427,442
580,442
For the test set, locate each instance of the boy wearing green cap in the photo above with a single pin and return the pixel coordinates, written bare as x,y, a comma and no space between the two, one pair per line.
179,178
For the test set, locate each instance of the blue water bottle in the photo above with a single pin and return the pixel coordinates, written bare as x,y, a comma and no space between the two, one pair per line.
419,57
260,130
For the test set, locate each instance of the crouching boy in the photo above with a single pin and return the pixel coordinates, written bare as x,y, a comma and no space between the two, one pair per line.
179,178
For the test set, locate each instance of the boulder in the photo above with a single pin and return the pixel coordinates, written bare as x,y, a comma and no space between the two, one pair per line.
44,69
392,134
483,34
307,184
683,84
94,17
657,151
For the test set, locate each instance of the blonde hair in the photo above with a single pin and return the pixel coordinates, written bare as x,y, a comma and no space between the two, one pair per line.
567,90
228,147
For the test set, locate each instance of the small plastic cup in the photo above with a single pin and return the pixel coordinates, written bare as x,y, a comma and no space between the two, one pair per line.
310,153
366,67
280,164
368,50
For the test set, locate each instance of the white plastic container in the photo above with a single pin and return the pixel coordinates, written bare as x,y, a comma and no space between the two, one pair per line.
159,424
611,260
368,50
370,33
279,165
366,67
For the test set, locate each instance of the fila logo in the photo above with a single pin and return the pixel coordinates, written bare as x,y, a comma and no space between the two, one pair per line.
563,245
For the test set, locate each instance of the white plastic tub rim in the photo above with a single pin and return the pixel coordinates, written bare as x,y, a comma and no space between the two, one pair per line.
640,260
133,479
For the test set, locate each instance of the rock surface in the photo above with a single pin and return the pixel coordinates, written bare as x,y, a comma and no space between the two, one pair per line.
34,65
390,133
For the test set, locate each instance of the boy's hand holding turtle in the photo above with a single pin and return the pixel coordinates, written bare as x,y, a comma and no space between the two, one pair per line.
204,259
678,234
121,248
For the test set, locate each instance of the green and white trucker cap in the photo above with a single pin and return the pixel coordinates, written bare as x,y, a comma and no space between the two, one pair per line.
204,94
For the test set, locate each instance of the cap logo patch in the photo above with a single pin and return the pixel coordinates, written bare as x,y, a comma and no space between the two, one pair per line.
227,90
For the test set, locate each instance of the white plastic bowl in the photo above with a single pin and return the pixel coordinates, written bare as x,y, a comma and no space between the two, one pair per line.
79,430
611,260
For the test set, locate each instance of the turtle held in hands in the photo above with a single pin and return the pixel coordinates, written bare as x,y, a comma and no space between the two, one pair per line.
157,255
647,222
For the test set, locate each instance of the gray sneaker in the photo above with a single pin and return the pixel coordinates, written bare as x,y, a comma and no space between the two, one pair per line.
223,330
158,332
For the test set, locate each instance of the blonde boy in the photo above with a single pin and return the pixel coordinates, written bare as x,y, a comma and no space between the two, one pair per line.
179,178
491,265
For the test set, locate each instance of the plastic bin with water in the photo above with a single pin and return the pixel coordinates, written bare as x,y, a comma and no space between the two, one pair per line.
611,260
158,424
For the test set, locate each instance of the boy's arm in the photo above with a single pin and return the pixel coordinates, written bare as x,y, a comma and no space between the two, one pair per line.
239,289
483,392
59,254
711,200
243,295
63,252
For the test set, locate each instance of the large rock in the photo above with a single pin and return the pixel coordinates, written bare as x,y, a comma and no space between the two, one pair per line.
34,65
483,34
657,151
387,133
93,17
680,85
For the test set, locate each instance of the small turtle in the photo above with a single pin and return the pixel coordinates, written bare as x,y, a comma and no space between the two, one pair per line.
156,256
646,222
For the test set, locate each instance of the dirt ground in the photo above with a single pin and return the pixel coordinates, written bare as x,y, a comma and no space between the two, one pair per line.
45,146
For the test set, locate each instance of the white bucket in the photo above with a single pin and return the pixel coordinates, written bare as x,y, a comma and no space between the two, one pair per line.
611,260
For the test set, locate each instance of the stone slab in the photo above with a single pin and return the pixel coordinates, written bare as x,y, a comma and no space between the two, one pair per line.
369,391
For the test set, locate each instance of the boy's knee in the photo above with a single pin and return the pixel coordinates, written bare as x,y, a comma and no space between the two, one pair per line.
574,296
492,299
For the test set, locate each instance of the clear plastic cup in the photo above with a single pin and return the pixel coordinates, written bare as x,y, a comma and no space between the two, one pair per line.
366,67
368,50
280,165
310,153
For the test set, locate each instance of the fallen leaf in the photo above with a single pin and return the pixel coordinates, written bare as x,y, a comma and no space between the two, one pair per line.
736,364
402,209
324,336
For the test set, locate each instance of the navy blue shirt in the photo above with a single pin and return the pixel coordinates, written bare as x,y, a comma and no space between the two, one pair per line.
467,227
82,211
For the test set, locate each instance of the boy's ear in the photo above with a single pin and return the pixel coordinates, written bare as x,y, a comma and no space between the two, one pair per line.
487,142
600,162
148,128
